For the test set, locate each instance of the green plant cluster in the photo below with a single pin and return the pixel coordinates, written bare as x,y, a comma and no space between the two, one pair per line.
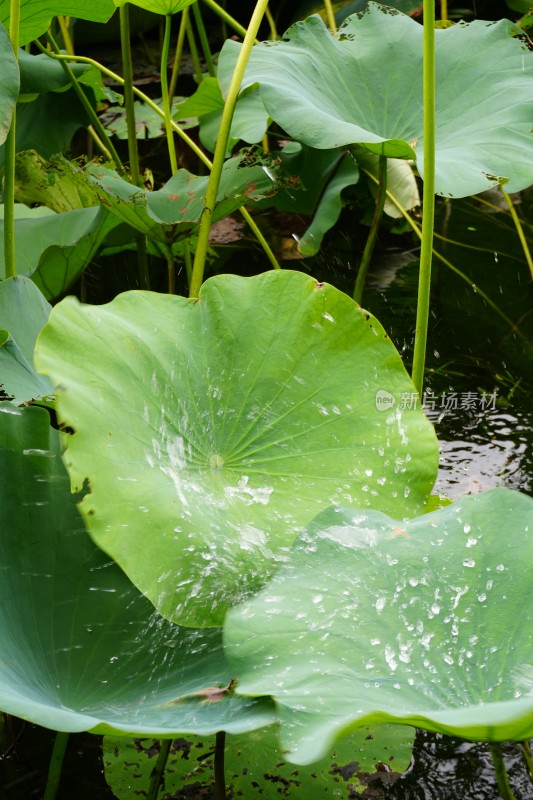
216,513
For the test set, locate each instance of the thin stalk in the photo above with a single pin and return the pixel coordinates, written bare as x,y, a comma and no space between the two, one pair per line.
166,99
416,230
373,233
428,205
220,777
56,763
221,146
259,236
225,17
89,110
520,231
10,150
157,772
64,23
202,35
271,24
188,261
444,10
194,53
178,54
502,778
525,749
127,69
171,271
330,16
181,133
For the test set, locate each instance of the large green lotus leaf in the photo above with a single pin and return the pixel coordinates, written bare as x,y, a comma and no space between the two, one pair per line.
366,87
170,213
159,6
23,312
36,15
54,249
9,85
212,430
50,184
427,623
40,74
80,647
255,766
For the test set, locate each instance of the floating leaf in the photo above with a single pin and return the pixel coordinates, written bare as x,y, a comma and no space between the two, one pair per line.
80,648
23,312
171,212
372,620
212,430
255,766
366,87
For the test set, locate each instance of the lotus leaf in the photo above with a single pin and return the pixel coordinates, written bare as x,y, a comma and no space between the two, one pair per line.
366,87
159,6
171,212
36,15
212,430
9,85
371,620
254,765
23,312
80,648
53,249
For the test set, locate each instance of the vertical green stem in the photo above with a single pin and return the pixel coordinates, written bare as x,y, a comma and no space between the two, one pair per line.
330,16
166,98
177,55
133,152
221,146
220,777
157,772
56,763
194,53
502,778
525,747
428,206
271,24
127,71
520,231
373,233
171,271
200,27
9,159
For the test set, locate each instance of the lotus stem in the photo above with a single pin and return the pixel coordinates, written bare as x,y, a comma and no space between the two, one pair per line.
502,778
202,35
520,231
127,69
64,23
373,233
221,147
194,52
330,17
171,270
177,55
225,17
56,763
525,748
220,777
166,98
10,150
260,238
157,772
428,203
271,24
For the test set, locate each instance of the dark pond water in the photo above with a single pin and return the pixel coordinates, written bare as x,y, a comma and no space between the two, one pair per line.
479,385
